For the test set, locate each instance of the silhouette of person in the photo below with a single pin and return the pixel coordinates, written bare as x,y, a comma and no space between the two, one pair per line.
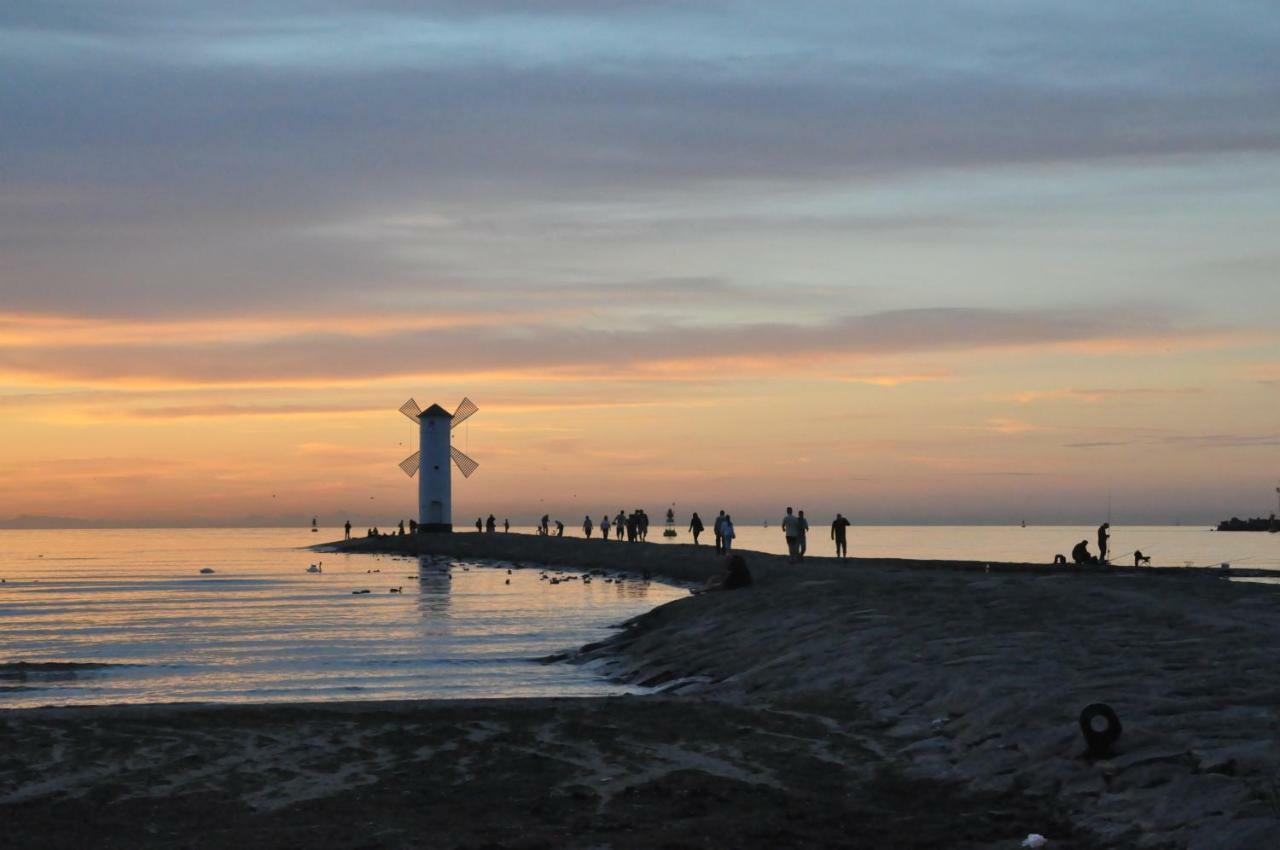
695,527
642,524
727,534
559,528
839,533
400,530
1139,559
604,527
479,524
1081,554
587,527
413,526
546,524
1103,538
346,528
802,535
491,524
791,531
735,576
619,524
506,526
718,527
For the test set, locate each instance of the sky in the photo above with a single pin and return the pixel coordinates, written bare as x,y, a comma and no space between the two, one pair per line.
916,262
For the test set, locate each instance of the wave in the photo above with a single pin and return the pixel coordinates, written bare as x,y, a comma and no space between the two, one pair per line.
20,670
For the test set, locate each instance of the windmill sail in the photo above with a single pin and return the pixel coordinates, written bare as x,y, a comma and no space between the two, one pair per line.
466,408
410,408
465,464
411,463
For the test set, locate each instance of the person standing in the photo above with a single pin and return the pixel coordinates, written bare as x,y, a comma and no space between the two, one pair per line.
1104,537
587,527
695,527
619,525
604,527
347,529
491,524
727,534
802,535
479,524
839,533
718,528
790,527
506,526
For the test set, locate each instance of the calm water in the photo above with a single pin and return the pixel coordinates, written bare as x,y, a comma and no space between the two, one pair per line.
260,628
1169,546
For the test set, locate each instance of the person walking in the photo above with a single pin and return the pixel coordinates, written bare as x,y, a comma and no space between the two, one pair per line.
790,527
604,527
695,527
619,524
727,534
587,527
718,528
347,530
839,533
802,535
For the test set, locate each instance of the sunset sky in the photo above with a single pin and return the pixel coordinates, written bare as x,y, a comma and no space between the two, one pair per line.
967,262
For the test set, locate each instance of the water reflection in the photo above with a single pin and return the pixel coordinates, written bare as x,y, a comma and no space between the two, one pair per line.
435,587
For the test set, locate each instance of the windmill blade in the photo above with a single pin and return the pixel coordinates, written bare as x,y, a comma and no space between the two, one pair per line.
410,408
465,464
411,463
466,408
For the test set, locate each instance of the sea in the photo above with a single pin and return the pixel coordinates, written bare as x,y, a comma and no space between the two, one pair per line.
128,616
131,616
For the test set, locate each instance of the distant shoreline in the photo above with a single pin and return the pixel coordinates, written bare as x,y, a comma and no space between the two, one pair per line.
686,562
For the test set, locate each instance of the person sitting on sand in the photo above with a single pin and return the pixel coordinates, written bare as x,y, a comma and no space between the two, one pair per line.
735,576
1081,554
1059,558
1139,559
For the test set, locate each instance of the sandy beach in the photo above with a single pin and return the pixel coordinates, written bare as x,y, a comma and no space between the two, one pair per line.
867,704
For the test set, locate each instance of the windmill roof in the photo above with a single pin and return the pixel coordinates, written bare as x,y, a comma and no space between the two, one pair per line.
434,411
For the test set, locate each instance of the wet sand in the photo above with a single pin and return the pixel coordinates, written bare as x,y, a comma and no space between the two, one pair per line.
873,704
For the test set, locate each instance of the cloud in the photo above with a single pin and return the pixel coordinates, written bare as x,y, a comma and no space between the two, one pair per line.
170,155
582,352
1095,396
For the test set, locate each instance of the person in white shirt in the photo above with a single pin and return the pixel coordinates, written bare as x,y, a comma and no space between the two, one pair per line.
726,533
790,530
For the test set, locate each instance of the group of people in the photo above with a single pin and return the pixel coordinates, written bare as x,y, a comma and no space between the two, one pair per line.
1080,554
490,525
634,525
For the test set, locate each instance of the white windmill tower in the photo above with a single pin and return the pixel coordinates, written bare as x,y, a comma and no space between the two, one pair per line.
435,511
